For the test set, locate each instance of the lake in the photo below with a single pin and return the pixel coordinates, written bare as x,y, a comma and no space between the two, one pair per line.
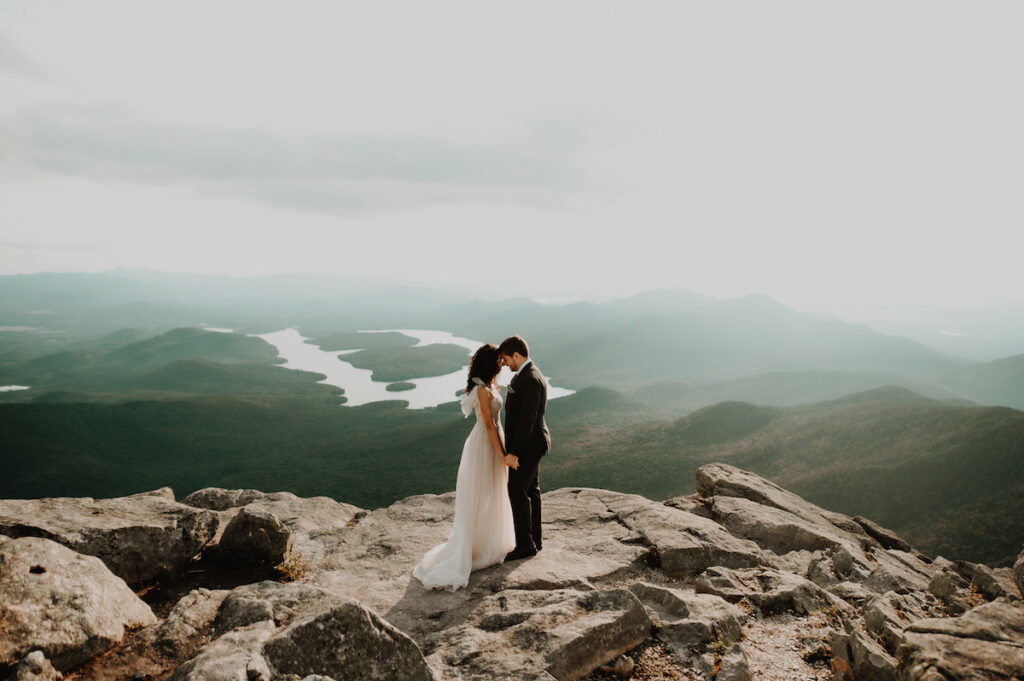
358,384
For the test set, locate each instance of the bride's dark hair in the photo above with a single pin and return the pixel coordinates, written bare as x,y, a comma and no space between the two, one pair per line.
484,365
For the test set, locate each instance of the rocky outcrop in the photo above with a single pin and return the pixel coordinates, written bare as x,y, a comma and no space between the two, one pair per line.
237,655
562,634
265,601
188,620
779,521
1018,573
723,480
267,526
771,591
985,643
740,579
346,642
138,537
35,667
690,620
995,583
257,536
687,543
218,499
69,606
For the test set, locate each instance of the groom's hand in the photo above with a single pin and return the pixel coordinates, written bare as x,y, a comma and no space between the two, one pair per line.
512,461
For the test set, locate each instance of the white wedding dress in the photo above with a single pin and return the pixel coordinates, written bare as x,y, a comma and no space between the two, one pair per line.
483,531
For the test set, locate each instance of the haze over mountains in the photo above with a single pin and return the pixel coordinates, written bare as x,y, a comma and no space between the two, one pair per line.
127,391
692,348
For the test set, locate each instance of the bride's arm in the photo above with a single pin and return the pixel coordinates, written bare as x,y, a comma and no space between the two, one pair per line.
492,431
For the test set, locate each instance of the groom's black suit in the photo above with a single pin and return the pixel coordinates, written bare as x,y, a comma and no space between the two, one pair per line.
528,438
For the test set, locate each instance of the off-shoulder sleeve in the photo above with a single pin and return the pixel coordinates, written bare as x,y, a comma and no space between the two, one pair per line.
468,401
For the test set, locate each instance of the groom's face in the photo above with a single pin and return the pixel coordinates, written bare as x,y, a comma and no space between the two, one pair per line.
513,361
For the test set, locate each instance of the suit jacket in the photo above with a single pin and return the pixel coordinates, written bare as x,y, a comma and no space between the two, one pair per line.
526,433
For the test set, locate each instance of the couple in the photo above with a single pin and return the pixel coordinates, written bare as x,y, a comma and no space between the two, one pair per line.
497,494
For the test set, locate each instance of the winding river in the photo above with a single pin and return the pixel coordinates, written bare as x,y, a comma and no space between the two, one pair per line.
358,384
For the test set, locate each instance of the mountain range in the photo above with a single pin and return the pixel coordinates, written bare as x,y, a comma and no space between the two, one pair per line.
855,420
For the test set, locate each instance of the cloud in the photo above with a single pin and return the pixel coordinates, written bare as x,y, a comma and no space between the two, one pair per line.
14,59
311,171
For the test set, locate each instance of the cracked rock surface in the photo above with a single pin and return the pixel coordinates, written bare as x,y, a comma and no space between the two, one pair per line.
741,581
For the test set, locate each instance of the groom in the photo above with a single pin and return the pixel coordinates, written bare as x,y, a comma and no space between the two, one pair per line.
527,439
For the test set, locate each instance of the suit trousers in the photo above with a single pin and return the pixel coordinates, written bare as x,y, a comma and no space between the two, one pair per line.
524,494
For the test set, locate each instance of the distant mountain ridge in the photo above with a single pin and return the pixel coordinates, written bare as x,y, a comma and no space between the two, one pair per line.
663,335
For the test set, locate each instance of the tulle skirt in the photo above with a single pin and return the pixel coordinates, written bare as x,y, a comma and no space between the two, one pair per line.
482,532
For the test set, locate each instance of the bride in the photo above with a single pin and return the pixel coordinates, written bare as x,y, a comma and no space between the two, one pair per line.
483,532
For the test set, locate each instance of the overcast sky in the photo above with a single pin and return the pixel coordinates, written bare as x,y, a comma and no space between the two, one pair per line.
832,155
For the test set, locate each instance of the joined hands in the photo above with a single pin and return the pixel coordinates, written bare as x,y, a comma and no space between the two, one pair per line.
512,461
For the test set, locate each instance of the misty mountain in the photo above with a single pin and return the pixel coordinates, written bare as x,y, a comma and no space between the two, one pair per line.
785,389
173,358
689,349
998,383
730,339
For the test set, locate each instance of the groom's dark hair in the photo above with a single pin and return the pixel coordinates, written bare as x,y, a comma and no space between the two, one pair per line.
512,345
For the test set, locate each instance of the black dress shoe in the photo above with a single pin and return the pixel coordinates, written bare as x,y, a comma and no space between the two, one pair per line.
519,554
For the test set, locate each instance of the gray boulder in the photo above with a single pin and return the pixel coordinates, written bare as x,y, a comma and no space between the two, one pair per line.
610,623
719,479
235,656
870,659
946,583
985,643
218,499
851,592
69,606
769,590
898,571
690,619
138,537
691,503
188,620
995,621
256,536
348,643
877,569
687,544
35,667
995,583
773,528
306,518
759,510
279,603
950,588
887,538
561,634
735,666
842,656
887,615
